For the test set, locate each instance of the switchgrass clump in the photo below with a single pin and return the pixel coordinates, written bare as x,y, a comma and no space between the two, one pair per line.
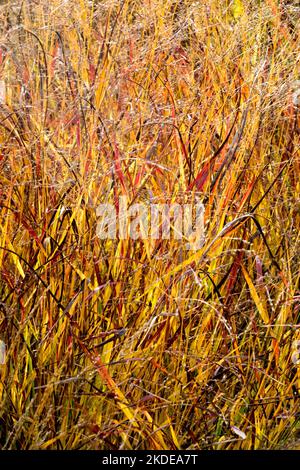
142,344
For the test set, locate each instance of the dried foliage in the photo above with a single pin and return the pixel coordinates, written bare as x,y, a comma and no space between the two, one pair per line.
123,344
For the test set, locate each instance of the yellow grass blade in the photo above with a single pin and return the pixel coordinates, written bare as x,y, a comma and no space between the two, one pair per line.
259,305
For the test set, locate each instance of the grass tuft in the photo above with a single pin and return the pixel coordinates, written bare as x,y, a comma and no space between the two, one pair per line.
140,344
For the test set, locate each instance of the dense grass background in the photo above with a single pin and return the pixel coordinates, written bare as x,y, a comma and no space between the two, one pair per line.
161,101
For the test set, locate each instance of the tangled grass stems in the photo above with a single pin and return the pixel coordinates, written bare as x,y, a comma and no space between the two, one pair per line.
140,344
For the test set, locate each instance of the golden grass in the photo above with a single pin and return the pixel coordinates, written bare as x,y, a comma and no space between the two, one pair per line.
156,99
